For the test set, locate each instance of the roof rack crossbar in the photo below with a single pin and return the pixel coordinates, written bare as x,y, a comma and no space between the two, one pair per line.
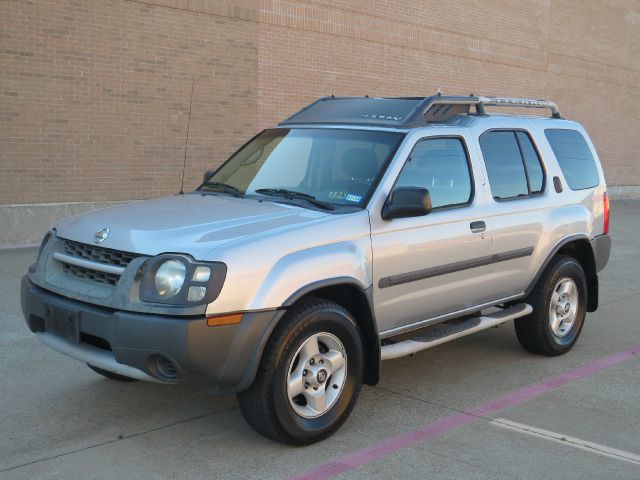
440,107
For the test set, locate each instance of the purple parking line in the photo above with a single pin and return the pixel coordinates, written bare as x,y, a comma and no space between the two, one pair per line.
444,425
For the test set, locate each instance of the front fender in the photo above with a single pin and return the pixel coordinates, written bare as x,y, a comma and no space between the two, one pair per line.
301,272
265,269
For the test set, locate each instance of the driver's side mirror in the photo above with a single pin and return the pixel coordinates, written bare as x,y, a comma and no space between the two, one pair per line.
207,175
407,202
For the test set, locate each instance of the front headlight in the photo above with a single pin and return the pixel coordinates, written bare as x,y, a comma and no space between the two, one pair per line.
179,280
170,278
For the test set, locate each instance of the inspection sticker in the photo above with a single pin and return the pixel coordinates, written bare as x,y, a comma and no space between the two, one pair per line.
353,198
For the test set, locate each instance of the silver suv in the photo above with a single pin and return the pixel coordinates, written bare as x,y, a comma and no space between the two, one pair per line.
357,230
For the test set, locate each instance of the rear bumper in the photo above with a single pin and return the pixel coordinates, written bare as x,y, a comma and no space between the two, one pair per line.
223,358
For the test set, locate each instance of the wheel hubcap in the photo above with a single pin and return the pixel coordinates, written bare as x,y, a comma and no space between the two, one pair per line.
316,375
563,310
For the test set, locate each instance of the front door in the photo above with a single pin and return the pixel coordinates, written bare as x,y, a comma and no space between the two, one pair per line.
438,263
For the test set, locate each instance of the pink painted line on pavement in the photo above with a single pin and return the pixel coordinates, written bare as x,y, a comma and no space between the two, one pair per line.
444,425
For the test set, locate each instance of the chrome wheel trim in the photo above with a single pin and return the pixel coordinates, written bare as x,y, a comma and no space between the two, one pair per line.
316,375
563,309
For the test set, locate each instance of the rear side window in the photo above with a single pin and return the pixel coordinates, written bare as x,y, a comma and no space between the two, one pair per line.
532,162
574,157
513,165
441,166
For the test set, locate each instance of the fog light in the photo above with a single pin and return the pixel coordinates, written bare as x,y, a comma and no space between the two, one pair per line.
165,367
196,293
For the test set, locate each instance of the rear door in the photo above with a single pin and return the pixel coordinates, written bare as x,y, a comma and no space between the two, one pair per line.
435,264
517,205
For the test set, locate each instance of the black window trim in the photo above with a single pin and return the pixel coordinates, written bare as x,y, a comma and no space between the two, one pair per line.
452,206
524,164
595,161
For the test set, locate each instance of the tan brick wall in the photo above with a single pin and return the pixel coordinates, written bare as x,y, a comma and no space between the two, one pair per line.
95,94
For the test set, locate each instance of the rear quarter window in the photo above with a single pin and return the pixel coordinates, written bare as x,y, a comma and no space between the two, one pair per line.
574,157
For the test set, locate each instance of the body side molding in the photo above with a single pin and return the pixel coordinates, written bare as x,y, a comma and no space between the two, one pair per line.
416,275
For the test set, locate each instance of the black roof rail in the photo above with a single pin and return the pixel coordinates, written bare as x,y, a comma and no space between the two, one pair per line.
404,112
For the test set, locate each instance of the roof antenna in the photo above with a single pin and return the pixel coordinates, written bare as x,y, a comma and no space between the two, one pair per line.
186,141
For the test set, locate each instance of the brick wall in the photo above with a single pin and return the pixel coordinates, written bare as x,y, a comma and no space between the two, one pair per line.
95,94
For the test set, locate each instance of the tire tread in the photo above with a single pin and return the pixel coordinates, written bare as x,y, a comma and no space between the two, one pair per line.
531,329
256,403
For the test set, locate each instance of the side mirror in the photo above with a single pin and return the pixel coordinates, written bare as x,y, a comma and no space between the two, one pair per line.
207,175
407,202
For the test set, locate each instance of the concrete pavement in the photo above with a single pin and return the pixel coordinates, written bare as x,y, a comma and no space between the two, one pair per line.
60,420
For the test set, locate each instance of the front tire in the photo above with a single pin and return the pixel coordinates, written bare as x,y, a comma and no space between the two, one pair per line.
309,377
559,302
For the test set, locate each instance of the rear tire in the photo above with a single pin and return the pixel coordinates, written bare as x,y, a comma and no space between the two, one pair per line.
559,302
309,377
111,375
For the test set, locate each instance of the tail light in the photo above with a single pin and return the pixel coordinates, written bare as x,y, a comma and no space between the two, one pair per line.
606,209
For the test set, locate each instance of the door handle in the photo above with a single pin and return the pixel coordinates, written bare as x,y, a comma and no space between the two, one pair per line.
477,227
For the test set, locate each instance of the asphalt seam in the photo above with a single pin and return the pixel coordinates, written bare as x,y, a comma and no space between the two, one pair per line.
398,443
120,438
422,400
15,275
619,299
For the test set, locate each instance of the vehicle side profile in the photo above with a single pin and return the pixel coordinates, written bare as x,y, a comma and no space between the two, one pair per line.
355,231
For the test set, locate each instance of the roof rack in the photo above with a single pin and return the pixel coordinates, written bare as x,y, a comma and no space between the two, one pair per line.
439,108
404,112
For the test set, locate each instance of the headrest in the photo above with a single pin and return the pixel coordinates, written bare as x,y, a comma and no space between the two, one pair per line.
360,163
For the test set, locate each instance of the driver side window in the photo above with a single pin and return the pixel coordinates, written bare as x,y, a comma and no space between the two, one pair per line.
440,165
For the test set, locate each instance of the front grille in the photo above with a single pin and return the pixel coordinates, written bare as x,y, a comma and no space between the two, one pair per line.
98,254
89,274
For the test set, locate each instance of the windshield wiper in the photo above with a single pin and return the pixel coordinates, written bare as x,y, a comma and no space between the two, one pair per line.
292,194
223,187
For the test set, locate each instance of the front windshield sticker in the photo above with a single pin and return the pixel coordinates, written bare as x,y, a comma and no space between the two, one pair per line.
353,198
337,195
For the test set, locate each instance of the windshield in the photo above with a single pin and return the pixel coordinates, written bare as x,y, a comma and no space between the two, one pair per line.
335,166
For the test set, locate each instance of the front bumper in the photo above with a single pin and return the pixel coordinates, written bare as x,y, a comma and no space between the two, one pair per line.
222,358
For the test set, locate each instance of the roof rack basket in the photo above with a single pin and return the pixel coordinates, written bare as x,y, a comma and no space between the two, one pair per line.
439,108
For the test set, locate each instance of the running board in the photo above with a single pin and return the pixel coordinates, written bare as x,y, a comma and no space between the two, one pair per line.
444,332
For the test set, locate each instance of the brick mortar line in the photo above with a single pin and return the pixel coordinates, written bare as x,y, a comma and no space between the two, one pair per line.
406,22
629,85
261,11
544,50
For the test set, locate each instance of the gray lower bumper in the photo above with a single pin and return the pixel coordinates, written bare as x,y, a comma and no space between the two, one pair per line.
97,357
222,358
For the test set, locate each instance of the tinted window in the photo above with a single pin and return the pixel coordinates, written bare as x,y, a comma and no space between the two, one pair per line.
502,158
339,166
440,165
532,162
575,159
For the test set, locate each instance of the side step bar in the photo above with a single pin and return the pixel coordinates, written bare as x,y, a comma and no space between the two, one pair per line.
445,332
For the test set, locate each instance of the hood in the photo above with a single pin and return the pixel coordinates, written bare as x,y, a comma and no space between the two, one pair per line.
192,223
